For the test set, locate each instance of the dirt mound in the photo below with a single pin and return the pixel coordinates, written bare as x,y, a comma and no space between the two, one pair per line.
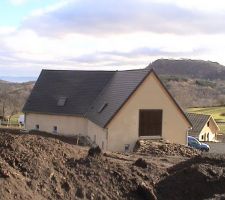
202,177
162,148
38,167
41,167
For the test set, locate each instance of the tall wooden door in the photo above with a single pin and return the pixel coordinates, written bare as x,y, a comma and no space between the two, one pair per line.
150,122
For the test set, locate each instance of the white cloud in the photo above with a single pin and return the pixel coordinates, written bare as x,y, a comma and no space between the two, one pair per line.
112,35
113,17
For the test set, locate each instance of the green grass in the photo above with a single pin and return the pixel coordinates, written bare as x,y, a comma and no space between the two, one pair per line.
14,118
218,113
222,129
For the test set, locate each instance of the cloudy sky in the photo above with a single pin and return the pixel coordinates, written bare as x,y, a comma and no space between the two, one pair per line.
107,34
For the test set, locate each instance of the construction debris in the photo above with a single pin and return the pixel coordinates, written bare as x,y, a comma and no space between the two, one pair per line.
163,148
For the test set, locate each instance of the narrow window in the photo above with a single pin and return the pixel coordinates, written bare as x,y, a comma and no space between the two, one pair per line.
54,129
202,137
208,123
102,145
126,147
102,107
37,126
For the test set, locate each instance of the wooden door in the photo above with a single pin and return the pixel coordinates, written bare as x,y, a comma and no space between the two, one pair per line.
150,123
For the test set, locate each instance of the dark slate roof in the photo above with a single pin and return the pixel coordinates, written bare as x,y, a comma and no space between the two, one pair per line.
97,95
115,94
198,122
79,87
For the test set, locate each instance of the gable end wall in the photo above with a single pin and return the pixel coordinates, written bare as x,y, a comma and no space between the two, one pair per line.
123,129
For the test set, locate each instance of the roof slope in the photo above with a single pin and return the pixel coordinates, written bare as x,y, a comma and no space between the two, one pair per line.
115,94
198,121
79,87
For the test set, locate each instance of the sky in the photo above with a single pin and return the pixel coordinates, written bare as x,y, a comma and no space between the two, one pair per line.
107,35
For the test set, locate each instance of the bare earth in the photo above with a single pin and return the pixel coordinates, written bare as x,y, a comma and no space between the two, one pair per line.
43,167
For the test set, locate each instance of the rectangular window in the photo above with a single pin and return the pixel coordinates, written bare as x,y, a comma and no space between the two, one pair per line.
37,127
103,145
150,122
61,101
208,123
54,129
126,147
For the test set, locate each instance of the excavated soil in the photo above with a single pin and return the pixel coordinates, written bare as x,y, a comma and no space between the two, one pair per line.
163,148
34,166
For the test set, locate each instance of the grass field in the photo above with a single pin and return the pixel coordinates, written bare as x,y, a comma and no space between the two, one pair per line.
14,118
218,114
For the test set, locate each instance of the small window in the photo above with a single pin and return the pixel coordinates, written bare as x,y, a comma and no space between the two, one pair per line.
103,145
37,126
126,147
202,137
61,101
54,129
102,107
208,123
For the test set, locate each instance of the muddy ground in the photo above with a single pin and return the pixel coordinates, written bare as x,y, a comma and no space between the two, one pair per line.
34,166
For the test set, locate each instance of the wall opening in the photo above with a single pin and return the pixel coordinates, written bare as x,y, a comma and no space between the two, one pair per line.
37,127
55,128
150,122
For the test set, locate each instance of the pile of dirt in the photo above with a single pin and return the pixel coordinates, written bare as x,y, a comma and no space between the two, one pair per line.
163,148
201,177
38,167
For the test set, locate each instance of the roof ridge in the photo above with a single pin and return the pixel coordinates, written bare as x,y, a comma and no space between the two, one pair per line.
65,70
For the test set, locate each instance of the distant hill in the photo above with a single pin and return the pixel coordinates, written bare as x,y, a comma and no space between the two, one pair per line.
193,82
13,96
18,79
197,69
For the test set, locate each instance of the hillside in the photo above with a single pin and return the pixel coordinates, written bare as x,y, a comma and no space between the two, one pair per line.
13,96
194,69
193,82
41,167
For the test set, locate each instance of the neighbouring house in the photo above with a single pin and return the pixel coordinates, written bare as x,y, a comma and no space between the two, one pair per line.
113,108
204,127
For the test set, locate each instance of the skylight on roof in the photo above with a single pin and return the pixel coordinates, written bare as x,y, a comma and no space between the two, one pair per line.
61,101
102,107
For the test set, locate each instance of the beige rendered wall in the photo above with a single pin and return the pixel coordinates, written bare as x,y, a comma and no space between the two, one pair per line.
97,135
67,125
212,130
123,129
